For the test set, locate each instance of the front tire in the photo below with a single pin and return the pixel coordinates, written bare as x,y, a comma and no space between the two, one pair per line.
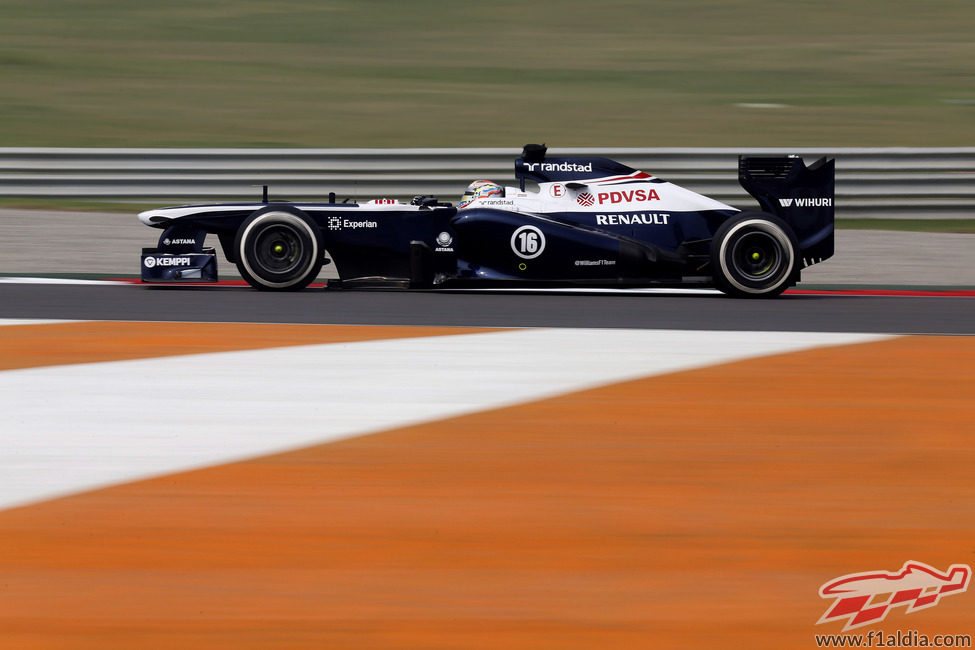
754,255
278,250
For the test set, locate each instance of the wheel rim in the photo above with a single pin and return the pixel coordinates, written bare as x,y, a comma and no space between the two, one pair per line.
757,255
278,249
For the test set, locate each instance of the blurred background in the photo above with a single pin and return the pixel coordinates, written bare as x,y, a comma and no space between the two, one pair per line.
389,73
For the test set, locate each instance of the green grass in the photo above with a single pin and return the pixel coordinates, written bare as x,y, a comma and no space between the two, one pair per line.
397,73
919,225
77,205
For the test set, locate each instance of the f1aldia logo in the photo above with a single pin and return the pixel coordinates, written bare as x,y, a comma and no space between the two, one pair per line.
865,598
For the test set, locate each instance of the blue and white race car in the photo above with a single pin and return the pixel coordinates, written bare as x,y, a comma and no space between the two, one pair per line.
567,222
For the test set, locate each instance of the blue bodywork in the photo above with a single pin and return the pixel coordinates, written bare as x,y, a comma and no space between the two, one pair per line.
433,244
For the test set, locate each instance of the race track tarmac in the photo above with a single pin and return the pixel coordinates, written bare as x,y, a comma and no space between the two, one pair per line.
821,313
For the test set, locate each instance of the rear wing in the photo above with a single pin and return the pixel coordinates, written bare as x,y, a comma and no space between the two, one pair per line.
801,196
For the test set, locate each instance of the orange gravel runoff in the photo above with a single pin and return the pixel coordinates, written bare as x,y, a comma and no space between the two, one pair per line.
28,346
700,509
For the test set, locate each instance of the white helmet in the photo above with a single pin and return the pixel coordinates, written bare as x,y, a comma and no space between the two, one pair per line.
479,190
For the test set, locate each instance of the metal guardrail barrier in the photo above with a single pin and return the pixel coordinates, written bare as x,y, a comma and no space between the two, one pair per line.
872,183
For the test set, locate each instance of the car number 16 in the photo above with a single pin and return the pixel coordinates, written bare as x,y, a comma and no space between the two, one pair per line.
528,242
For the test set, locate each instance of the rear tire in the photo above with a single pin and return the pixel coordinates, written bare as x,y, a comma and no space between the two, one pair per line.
754,255
278,250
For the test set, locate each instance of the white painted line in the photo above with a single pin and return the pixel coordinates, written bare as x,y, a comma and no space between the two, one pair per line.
29,280
554,290
73,428
34,321
760,105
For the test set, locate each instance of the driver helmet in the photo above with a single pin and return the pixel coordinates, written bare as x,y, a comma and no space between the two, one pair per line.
480,190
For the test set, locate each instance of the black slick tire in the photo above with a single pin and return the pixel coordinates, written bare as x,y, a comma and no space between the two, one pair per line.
754,255
278,249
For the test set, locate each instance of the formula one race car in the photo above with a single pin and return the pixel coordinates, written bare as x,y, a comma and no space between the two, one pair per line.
569,222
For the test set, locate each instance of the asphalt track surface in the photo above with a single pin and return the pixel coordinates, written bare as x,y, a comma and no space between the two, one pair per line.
110,245
810,313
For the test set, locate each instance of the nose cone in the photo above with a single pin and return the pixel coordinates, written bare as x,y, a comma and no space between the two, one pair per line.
155,217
